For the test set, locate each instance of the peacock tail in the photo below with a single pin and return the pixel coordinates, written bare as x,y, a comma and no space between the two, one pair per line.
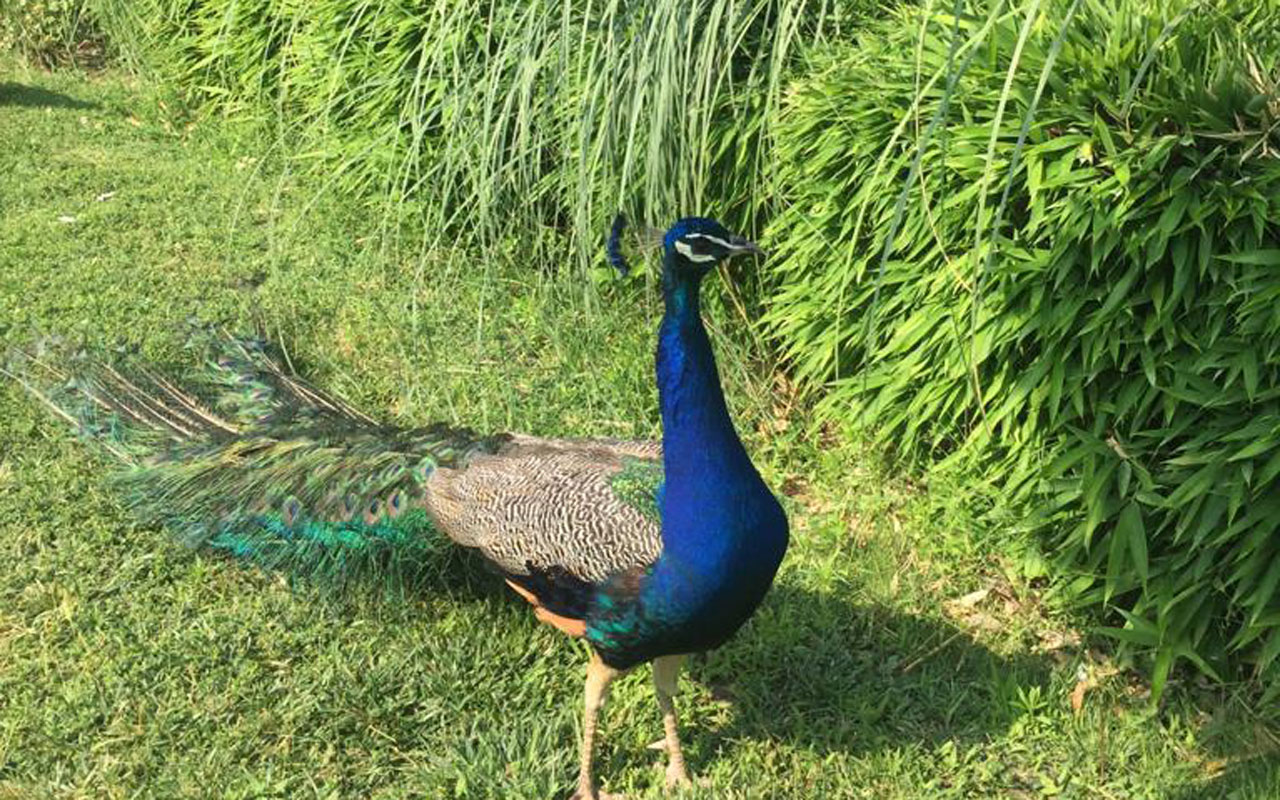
248,460
243,457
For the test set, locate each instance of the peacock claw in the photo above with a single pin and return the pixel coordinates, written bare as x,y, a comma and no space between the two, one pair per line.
677,777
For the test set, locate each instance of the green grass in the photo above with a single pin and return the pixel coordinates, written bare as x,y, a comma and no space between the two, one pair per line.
132,667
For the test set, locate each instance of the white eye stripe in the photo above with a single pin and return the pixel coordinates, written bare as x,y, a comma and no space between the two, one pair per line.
710,238
684,249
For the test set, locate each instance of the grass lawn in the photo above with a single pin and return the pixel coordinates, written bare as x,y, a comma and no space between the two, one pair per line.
902,653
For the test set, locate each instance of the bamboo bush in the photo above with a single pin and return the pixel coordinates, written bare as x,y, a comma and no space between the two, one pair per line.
1046,237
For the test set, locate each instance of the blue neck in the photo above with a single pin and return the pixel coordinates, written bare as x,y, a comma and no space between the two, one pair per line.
707,472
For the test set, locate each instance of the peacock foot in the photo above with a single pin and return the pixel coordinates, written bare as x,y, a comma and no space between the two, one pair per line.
677,777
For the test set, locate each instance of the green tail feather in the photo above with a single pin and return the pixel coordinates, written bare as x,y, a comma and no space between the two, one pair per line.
335,553
245,458
252,389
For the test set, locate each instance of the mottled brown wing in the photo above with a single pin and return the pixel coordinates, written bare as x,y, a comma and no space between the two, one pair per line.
550,504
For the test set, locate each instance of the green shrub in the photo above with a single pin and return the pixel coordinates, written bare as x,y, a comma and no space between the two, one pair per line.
51,32
495,118
1094,313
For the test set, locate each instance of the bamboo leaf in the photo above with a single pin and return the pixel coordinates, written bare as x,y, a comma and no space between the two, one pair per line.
1262,257
1131,531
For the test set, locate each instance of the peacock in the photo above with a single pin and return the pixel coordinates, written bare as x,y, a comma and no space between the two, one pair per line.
648,551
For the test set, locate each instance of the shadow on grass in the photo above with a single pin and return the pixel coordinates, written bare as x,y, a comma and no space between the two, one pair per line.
1251,778
824,673
17,94
1241,743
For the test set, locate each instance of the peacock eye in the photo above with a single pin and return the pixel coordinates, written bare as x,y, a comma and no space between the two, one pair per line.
694,250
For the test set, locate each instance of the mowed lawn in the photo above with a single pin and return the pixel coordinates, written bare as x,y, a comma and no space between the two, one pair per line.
904,653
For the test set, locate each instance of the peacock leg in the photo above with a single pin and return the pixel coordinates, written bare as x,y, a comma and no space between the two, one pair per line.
599,676
666,676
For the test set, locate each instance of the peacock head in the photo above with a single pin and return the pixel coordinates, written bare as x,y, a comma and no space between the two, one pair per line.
694,245
691,247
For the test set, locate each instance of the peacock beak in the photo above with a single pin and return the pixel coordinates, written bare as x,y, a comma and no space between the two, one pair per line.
739,245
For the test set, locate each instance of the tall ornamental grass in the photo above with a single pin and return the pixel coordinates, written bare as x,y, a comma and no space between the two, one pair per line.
507,119
1045,236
